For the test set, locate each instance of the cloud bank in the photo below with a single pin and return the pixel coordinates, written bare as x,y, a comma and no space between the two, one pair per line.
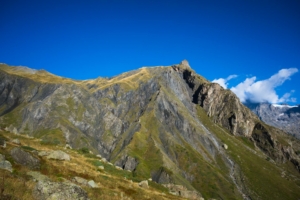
261,91
224,82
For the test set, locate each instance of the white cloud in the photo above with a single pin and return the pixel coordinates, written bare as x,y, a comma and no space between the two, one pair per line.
224,82
264,91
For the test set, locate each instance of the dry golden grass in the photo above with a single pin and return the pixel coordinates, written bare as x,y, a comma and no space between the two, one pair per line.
111,186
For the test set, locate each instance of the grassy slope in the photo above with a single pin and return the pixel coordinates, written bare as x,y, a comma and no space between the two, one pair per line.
263,177
113,183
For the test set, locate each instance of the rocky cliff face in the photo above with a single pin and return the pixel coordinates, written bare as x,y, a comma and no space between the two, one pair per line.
284,117
167,123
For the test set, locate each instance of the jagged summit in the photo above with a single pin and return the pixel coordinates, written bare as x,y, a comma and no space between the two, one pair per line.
185,64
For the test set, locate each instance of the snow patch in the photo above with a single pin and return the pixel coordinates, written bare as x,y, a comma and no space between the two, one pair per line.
283,106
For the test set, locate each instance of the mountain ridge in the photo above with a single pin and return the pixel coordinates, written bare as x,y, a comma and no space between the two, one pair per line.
151,121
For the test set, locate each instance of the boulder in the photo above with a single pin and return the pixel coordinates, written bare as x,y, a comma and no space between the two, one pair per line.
2,142
47,190
101,167
80,180
68,146
92,184
24,158
99,156
59,155
37,176
4,164
144,184
44,153
16,141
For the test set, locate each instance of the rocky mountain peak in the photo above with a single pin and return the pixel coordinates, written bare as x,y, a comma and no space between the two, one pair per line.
185,64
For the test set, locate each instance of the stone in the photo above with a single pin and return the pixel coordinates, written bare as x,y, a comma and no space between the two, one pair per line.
119,168
47,190
4,164
80,180
24,158
98,156
225,146
16,141
68,146
2,142
101,167
37,176
144,184
58,155
92,184
44,153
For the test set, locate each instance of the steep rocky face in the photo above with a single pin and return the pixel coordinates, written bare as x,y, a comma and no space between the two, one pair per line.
285,117
149,121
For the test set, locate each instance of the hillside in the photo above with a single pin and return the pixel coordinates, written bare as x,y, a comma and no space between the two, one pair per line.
164,123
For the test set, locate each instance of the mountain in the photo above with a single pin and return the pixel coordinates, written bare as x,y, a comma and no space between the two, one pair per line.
283,116
166,123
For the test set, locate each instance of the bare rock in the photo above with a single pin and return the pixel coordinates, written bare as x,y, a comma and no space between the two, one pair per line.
101,167
37,176
58,155
44,153
24,158
225,146
16,141
2,142
92,184
80,180
144,184
47,190
4,164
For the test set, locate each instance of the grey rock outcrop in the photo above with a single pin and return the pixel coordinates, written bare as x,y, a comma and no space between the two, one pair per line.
46,190
127,163
37,176
25,158
4,164
58,155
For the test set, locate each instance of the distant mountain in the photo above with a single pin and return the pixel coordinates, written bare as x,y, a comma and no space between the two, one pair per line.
283,116
165,123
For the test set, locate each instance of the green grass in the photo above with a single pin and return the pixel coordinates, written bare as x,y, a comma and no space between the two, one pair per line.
261,176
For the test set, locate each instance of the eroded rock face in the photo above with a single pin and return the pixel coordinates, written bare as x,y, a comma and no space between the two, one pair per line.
46,190
25,158
127,163
161,176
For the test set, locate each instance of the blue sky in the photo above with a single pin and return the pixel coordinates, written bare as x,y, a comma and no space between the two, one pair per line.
88,39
